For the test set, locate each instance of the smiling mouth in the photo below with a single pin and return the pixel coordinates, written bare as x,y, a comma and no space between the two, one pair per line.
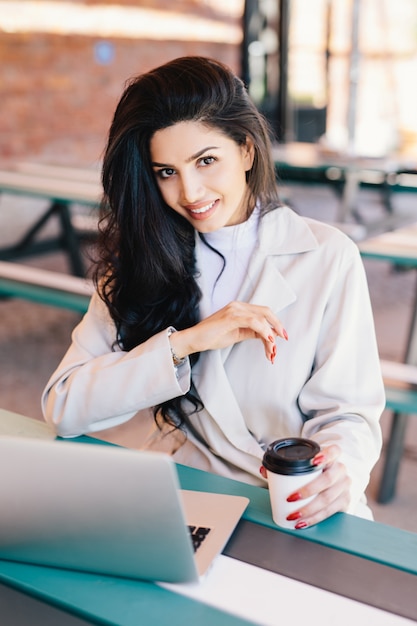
203,209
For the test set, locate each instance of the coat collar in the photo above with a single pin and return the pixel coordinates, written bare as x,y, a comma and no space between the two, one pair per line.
282,231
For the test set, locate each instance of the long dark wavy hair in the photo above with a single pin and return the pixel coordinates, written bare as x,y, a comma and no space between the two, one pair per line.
146,270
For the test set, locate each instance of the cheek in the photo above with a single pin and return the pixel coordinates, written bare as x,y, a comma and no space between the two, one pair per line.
170,198
231,179
167,193
236,181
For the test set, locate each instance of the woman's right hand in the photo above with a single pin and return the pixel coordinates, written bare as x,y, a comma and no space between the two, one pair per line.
235,322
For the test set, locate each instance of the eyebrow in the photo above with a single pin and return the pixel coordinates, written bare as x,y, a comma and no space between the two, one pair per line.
191,158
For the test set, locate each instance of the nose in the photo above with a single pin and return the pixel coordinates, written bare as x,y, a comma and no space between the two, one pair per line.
192,189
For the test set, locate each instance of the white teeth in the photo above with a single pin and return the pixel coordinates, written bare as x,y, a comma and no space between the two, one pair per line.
204,208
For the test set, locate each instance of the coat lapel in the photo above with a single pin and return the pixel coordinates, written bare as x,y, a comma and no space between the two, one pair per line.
281,232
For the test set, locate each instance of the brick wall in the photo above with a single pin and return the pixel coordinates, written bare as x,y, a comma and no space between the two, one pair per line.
58,97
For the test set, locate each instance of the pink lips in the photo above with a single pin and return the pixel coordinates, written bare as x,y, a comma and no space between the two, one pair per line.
201,210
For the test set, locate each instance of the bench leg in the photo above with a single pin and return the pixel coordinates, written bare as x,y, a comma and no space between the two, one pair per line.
386,195
393,455
28,238
69,239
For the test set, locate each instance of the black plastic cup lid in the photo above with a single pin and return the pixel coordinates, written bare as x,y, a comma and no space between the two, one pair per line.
291,456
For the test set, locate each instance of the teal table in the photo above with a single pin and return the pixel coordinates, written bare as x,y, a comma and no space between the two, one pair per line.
106,600
355,543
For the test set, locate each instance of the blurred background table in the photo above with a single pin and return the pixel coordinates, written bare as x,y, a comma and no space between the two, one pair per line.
62,188
398,247
345,174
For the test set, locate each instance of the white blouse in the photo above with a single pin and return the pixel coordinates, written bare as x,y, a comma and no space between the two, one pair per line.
223,279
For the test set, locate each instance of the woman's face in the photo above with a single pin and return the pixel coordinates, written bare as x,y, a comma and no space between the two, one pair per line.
201,174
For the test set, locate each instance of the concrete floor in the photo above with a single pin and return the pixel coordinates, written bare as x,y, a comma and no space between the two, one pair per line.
34,337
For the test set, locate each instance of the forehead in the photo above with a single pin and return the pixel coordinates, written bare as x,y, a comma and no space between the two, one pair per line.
184,139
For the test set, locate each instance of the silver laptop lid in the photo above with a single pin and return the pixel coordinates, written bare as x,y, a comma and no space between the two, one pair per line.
107,510
93,508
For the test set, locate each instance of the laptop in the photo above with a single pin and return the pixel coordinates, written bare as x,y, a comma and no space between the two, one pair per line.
107,510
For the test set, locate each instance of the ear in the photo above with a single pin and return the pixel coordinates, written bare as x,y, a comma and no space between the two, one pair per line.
248,153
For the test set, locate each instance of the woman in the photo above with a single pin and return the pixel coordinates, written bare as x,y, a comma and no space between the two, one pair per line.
222,320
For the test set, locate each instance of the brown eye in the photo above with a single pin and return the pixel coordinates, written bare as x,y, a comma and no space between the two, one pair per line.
207,160
166,173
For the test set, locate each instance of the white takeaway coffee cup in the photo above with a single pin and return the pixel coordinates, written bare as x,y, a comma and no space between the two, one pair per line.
288,463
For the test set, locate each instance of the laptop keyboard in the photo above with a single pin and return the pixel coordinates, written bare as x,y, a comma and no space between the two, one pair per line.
198,534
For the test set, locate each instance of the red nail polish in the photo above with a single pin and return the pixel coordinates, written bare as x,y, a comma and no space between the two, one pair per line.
300,525
271,339
284,332
318,460
294,497
293,516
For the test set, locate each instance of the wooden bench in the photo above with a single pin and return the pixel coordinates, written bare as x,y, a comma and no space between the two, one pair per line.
60,172
44,286
400,380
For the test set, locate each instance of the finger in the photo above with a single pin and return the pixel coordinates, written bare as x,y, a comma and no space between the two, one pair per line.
280,331
260,319
277,330
276,325
336,504
256,327
271,351
329,501
269,344
327,455
330,475
239,321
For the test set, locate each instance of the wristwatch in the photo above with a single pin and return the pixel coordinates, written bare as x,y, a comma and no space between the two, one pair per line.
177,361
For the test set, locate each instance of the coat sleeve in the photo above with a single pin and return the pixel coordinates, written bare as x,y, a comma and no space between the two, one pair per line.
344,397
97,386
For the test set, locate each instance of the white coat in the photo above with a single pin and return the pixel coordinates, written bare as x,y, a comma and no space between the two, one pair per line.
325,383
